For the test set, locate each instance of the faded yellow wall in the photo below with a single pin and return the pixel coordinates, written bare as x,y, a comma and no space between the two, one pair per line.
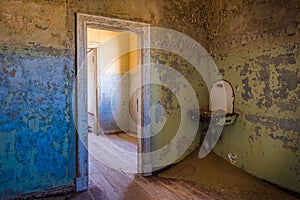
98,36
52,23
120,64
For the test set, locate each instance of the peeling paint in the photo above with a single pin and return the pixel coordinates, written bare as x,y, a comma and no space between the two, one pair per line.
33,123
264,70
166,98
255,45
272,122
248,90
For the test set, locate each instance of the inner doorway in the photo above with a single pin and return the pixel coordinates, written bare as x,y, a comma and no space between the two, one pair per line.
112,101
113,81
93,84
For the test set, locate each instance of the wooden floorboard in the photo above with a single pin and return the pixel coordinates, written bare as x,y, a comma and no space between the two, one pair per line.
110,183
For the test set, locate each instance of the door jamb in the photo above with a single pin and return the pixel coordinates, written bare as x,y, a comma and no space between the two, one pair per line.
81,117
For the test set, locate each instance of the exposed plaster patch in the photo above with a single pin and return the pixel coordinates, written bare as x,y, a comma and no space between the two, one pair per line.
245,70
288,80
221,72
12,73
271,122
247,94
291,105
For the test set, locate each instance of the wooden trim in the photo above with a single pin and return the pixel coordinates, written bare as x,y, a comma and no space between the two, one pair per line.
81,116
145,148
142,30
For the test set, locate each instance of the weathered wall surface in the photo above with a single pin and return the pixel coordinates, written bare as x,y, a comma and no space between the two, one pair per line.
37,76
168,109
36,124
256,44
28,23
256,48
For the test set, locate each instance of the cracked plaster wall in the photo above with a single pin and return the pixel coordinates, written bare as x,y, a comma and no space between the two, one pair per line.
37,129
37,57
255,45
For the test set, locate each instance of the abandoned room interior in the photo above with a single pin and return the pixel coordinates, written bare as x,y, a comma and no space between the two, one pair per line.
150,99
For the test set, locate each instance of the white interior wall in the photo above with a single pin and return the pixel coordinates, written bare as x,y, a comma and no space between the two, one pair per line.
111,61
92,65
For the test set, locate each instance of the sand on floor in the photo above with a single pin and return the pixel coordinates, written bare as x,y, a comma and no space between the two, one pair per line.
217,174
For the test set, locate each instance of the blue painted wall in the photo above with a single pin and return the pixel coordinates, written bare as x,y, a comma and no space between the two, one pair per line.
37,133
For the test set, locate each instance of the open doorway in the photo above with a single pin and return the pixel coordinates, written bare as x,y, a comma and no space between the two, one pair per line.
113,84
112,102
107,94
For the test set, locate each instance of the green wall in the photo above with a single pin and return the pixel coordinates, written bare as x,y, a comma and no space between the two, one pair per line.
163,97
255,45
265,137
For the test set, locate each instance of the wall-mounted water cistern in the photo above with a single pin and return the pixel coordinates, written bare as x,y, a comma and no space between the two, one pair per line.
221,106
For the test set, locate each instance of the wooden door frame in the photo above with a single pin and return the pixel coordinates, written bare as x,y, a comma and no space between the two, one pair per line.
81,115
